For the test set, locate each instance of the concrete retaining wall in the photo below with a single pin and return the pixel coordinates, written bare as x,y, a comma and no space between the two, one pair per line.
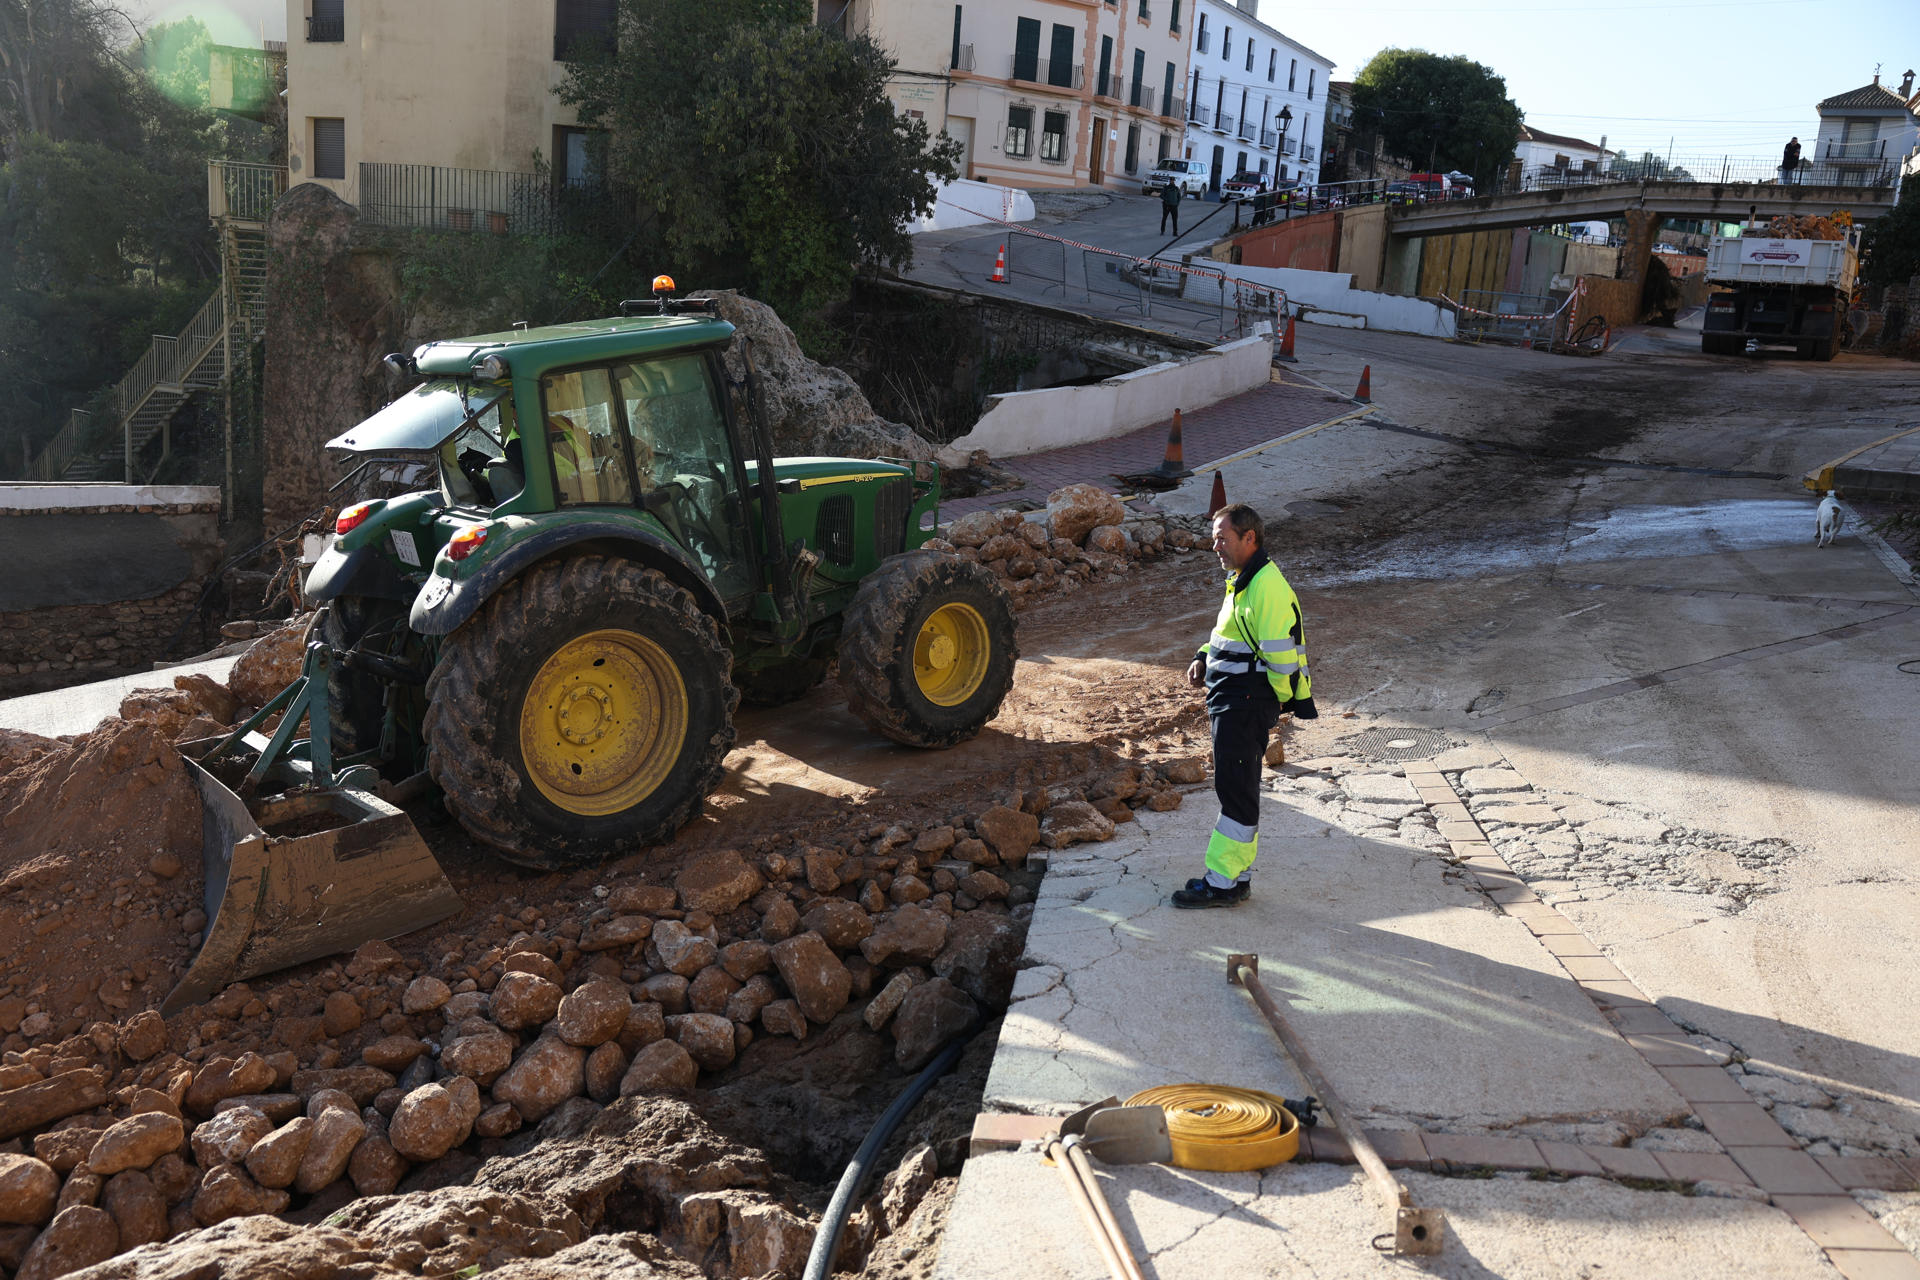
1328,297
1029,421
962,203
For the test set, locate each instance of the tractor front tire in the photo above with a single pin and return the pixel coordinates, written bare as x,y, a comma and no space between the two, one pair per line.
356,700
927,649
582,713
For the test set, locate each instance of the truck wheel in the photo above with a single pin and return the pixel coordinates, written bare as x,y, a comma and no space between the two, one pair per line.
780,684
1823,349
927,649
583,712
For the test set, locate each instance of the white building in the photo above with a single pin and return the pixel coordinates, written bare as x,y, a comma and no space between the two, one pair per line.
1867,137
1538,149
1256,101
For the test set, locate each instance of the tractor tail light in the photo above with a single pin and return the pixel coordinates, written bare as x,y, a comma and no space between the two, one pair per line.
466,542
353,517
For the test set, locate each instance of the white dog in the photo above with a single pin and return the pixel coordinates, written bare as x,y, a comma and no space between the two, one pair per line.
1826,523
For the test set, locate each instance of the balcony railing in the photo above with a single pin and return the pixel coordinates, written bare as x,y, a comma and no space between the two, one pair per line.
1173,108
1268,137
1307,152
1869,151
326,30
1247,129
1059,75
1223,124
435,198
963,58
1288,146
1202,114
1114,88
1206,38
1141,95
243,192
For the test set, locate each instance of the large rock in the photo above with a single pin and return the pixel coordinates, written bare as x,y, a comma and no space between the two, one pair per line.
908,935
227,1192
646,1022
1074,511
841,923
483,1057
546,1074
428,1123
228,1137
144,1035
606,1065
137,1208
707,1038
1075,822
29,1189
77,1238
393,1053
765,1238
811,409
257,1248
819,982
137,1141
361,1084
336,1132
275,1159
661,1066
222,1078
270,663
710,990
683,951
932,1014
593,1013
457,1229
523,1001
425,994
744,1005
376,1168
717,882
1010,833
982,951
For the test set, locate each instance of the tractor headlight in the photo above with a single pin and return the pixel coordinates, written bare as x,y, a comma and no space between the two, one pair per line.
491,369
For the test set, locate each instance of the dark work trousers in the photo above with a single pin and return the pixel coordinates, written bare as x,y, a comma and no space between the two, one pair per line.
1240,733
1169,211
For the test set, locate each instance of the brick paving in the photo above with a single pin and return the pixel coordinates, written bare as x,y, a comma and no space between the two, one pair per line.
1207,435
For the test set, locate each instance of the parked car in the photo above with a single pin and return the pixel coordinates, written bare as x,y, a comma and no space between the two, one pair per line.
1190,175
1243,185
1406,193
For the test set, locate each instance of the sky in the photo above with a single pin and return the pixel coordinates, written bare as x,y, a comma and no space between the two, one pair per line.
1705,77
1716,77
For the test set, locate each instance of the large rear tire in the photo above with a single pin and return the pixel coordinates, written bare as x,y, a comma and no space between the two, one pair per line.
927,649
584,712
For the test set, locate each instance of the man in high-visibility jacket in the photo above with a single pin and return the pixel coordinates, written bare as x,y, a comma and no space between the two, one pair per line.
1254,667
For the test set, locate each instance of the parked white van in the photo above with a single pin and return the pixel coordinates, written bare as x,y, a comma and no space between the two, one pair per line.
1190,176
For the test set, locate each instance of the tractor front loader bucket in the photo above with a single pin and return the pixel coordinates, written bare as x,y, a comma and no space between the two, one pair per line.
297,876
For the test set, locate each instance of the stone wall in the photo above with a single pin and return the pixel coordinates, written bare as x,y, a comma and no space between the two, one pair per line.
102,580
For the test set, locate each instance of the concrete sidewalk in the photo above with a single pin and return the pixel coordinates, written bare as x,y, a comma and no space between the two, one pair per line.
1887,468
1232,426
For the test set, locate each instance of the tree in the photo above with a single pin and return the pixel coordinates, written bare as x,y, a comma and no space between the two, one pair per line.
1648,168
1890,244
52,54
1446,112
764,148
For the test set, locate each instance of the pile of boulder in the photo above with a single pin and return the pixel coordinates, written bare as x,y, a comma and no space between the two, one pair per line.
380,1075
1083,533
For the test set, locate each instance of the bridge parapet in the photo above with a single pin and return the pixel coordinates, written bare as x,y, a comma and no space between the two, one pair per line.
1722,201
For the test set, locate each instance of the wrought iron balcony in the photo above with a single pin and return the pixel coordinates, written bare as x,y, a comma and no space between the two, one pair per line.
1224,124
326,30
1046,71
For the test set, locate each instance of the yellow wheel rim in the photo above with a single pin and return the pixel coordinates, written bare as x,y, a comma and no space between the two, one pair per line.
950,654
603,722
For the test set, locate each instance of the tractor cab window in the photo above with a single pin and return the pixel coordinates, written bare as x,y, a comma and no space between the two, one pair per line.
584,440
480,463
684,460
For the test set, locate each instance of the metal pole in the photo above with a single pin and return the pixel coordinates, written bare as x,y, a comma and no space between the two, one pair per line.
1416,1231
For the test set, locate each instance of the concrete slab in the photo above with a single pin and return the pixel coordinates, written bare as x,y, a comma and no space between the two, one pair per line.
76,710
1419,1001
1011,1220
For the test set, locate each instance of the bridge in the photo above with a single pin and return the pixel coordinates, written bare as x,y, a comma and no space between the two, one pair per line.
1598,201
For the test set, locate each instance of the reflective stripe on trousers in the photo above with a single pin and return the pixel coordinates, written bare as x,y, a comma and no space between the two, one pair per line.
1240,735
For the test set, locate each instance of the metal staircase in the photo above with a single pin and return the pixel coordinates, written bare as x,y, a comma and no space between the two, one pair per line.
198,360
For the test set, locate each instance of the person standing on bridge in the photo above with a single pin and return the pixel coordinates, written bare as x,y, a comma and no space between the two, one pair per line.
1254,667
1170,197
1790,161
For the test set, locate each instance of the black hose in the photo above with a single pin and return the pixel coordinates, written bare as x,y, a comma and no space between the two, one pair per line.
826,1241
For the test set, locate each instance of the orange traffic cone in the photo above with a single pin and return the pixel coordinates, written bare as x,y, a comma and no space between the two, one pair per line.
1286,342
1174,465
999,275
1365,392
1219,497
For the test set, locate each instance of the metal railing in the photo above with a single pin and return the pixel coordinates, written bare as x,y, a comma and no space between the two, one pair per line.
57,455
1141,95
1201,114
1248,129
1173,108
1206,37
1223,123
1526,319
326,30
1307,152
1289,145
1856,152
963,58
244,192
1269,138
1115,88
435,198
1048,72
1722,169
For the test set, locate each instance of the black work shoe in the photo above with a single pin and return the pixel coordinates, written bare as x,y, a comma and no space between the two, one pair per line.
1199,893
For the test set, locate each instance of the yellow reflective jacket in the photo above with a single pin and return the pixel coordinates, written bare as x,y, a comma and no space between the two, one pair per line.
1258,645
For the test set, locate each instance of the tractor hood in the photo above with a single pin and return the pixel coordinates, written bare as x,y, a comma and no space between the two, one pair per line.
808,473
421,419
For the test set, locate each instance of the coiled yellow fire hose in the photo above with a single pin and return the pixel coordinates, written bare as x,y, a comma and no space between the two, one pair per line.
1224,1129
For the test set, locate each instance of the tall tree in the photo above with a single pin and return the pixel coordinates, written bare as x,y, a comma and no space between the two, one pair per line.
1890,244
51,53
764,147
1445,112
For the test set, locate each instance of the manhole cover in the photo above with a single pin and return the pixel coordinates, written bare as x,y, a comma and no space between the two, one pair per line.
1393,743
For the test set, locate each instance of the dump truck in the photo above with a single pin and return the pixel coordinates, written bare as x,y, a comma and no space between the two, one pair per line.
554,634
1778,292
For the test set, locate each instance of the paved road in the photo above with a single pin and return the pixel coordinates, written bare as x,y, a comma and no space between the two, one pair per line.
1670,726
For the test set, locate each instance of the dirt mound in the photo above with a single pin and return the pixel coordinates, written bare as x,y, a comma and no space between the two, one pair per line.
100,878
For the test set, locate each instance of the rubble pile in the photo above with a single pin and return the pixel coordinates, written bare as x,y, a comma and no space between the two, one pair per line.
367,1093
1084,533
1803,226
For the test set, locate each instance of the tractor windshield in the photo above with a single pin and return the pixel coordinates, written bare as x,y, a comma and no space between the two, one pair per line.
421,419
481,463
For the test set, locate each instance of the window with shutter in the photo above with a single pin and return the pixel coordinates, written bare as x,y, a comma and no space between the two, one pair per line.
1060,58
328,22
580,26
1020,131
1026,49
329,147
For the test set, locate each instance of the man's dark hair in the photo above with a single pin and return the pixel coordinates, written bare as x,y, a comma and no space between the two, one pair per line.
1243,519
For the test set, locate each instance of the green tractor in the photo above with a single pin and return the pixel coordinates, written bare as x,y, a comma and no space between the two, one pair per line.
559,631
